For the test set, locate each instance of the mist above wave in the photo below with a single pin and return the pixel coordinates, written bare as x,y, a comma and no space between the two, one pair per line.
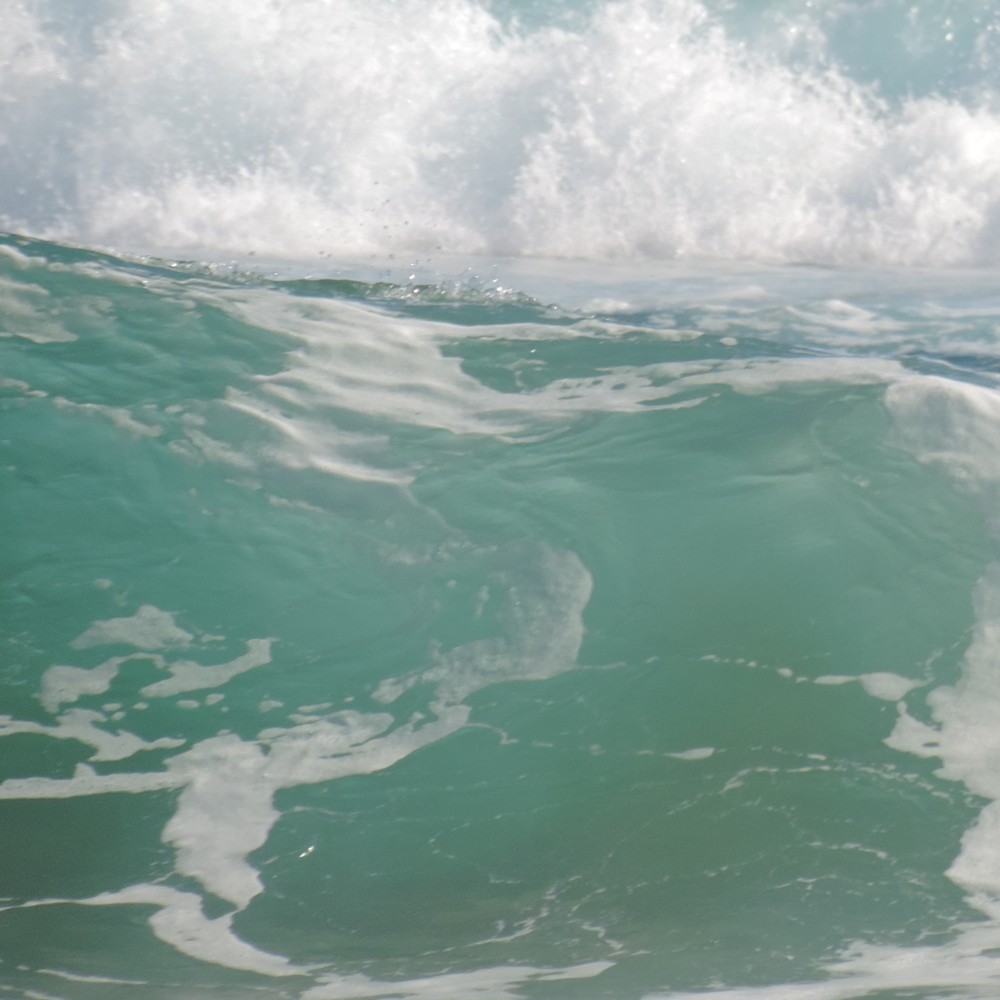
639,128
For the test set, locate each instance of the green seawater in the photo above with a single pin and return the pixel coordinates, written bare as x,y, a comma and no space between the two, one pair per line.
455,638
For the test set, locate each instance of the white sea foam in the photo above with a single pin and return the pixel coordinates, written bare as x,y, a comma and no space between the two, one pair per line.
26,314
882,685
697,753
64,684
181,923
888,686
955,427
72,977
498,983
640,128
119,417
966,730
86,781
187,675
225,809
951,425
149,628
81,724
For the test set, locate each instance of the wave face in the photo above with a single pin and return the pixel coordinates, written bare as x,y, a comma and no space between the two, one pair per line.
548,548
830,131
630,638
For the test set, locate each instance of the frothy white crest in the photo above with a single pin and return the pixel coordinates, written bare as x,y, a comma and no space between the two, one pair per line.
952,425
955,427
966,737
643,128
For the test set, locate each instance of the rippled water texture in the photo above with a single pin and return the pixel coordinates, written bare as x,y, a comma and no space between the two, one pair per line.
499,500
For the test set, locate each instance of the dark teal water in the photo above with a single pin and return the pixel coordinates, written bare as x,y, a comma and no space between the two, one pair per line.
380,639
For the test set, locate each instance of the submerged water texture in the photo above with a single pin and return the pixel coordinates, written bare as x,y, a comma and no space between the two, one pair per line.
393,607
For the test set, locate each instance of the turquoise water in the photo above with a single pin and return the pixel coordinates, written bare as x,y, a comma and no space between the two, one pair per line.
580,582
